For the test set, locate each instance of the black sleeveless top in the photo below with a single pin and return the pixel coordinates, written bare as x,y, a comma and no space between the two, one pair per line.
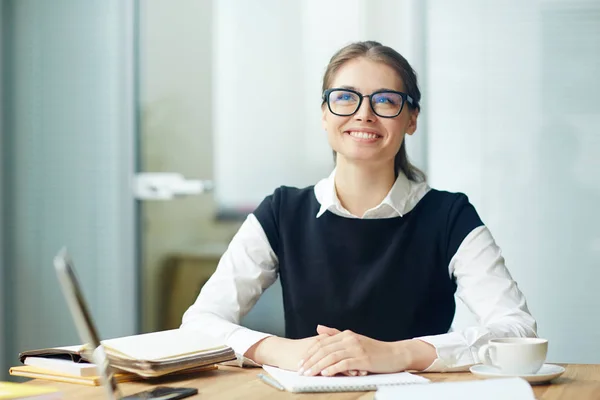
386,279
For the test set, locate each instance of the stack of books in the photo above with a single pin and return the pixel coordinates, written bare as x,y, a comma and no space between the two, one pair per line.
133,357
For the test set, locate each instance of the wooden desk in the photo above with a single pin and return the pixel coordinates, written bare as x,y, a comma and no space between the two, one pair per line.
579,382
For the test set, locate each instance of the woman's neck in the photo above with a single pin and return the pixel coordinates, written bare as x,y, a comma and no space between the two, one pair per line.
361,187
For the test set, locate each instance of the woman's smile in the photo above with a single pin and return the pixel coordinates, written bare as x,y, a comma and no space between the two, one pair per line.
363,135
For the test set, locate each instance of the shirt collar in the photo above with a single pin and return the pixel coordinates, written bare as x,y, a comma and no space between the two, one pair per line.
398,198
326,194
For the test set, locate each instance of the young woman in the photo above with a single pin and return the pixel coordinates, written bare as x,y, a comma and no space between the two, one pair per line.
370,258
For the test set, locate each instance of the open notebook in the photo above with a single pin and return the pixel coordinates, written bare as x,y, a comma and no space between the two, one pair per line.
151,354
292,382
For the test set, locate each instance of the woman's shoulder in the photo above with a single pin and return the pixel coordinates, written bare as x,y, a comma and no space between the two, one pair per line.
286,196
292,193
447,197
453,207
445,203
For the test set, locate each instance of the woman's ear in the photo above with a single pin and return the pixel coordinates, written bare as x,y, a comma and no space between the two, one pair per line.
324,117
412,122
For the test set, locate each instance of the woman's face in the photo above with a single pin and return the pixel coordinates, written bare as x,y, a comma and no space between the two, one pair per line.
365,137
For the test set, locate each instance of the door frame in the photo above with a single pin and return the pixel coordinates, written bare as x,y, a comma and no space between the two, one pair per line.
3,324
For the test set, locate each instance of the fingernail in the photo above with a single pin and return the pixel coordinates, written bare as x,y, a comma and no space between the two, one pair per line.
353,373
324,372
300,363
307,372
300,371
363,373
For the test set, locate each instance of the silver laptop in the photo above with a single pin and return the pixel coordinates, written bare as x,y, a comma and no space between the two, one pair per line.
89,336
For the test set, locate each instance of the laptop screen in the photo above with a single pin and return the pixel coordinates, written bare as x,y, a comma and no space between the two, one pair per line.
83,321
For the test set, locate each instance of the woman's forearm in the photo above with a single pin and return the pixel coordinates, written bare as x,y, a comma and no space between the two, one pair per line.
265,351
420,354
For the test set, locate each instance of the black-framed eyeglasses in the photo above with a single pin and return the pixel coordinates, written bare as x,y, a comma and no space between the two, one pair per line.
384,103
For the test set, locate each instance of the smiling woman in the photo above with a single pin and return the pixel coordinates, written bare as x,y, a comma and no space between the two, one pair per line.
398,87
370,257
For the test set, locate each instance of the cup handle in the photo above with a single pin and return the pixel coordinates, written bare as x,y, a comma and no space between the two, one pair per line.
484,354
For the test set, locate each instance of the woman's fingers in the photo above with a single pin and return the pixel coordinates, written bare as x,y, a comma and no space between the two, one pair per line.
320,353
333,358
320,342
301,351
322,329
326,350
344,365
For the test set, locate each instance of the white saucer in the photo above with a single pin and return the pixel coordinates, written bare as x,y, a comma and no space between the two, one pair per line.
545,374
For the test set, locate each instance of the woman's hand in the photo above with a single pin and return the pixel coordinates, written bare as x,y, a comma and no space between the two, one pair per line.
347,351
281,352
324,330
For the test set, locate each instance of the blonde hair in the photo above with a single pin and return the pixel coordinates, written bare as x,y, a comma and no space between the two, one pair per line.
375,51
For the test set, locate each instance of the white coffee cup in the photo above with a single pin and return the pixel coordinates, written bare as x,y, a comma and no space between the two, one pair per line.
516,356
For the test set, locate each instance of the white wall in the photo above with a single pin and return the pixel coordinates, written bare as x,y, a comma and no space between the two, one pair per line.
514,117
70,162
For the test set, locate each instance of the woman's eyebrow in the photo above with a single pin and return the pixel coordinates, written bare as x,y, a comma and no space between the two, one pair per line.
386,89
376,90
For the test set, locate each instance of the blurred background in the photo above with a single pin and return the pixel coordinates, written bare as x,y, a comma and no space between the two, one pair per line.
141,133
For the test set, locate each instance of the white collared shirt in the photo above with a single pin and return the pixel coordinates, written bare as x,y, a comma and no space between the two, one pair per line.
250,266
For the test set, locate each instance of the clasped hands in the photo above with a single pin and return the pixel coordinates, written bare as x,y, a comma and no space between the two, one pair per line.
333,352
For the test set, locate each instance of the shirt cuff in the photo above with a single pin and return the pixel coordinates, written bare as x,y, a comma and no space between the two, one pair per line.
240,341
453,352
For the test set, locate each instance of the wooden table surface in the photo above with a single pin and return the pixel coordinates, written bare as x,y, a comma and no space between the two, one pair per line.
579,382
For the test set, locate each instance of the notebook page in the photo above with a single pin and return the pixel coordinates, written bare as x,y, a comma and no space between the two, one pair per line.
293,382
490,389
163,345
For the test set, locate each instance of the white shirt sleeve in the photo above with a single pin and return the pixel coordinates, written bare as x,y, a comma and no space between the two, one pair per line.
246,269
488,290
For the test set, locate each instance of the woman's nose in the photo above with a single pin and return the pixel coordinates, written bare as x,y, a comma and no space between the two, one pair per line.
364,112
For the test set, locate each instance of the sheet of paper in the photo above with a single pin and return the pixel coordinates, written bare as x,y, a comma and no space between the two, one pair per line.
489,389
163,345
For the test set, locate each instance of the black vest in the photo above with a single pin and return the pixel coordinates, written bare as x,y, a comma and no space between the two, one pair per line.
386,279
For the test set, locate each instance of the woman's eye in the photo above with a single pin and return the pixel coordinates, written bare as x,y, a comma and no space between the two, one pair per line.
385,100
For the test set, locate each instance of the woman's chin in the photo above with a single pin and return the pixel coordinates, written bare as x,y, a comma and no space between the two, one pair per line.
361,157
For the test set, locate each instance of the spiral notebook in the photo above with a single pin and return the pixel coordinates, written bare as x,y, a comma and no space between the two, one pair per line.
292,382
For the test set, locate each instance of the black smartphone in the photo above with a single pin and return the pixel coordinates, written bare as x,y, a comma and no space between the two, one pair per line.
163,393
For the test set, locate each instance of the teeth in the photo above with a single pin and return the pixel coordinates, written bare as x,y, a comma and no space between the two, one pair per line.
363,135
